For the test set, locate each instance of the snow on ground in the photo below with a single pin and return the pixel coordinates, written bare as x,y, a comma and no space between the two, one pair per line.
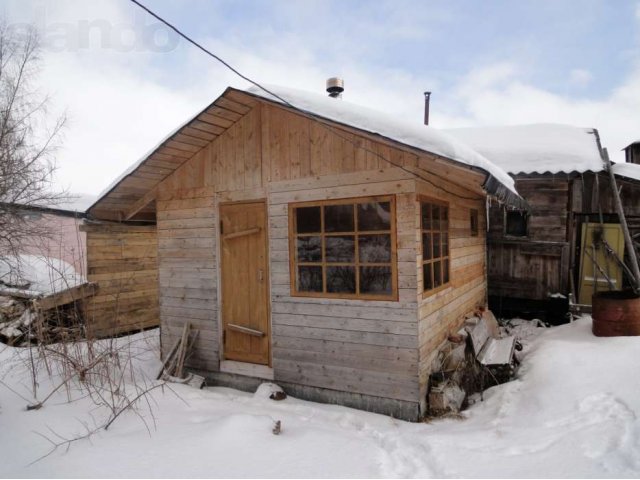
42,274
572,412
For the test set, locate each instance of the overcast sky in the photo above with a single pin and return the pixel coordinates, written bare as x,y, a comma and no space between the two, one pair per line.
125,81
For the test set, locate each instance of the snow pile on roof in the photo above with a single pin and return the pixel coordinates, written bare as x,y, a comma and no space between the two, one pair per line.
36,273
536,148
629,170
412,134
131,168
573,412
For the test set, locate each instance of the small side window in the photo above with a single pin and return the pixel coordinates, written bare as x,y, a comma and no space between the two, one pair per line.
435,244
473,222
516,223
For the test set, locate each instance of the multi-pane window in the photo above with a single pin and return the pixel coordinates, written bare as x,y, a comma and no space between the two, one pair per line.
344,248
435,243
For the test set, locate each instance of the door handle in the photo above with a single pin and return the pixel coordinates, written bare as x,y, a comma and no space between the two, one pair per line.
241,233
260,275
249,331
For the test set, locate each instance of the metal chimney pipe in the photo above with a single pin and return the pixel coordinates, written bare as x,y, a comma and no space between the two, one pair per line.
335,87
427,98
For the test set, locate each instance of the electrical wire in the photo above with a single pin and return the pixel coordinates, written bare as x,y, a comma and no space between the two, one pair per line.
305,113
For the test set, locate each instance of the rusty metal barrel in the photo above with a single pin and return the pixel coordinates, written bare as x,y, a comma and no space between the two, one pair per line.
616,314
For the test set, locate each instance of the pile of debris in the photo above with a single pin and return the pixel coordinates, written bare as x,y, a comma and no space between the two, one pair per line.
40,300
173,367
30,317
477,357
16,317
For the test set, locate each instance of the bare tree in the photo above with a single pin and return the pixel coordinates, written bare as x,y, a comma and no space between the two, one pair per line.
28,139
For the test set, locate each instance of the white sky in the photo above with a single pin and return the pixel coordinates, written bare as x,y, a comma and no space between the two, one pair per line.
124,89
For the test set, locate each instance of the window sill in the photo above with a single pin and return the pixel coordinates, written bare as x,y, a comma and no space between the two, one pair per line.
363,298
434,291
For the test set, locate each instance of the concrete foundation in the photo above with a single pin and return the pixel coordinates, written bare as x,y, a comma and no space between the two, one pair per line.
400,409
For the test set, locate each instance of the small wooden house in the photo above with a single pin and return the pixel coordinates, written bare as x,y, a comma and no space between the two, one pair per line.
311,242
537,259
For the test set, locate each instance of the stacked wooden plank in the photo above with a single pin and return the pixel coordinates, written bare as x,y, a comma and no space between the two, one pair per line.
122,261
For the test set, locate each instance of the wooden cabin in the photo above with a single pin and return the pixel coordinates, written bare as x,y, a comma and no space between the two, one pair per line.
540,258
311,242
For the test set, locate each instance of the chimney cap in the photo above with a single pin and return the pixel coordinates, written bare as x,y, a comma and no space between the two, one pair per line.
335,86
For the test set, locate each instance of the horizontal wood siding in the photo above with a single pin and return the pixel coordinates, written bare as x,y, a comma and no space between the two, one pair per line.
548,196
361,346
122,260
531,267
358,346
187,272
443,312
528,269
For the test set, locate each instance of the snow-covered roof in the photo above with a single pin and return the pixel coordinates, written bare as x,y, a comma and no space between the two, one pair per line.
536,148
628,170
76,202
632,143
116,198
132,168
409,133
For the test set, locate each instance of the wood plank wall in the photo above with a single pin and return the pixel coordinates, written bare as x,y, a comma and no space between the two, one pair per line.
587,198
186,222
532,267
548,196
122,260
367,347
538,265
444,311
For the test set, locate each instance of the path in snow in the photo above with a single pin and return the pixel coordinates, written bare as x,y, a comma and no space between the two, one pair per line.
572,412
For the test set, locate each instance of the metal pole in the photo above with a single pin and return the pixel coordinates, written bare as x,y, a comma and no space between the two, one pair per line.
623,223
427,101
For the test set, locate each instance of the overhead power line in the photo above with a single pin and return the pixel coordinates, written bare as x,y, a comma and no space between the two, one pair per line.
305,113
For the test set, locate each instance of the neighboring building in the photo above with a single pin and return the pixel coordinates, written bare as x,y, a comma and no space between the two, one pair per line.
537,259
63,240
632,152
326,247
53,232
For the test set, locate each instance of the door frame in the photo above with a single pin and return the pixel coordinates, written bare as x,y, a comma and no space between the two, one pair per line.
232,366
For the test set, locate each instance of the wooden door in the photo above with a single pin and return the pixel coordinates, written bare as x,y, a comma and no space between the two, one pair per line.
599,271
244,275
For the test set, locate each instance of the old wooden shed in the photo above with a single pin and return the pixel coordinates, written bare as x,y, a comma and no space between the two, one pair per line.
311,242
537,259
